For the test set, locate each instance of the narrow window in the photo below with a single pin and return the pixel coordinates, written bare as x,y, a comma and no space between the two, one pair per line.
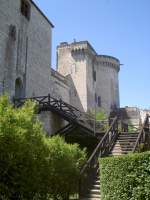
19,93
99,101
95,98
73,68
12,32
94,75
25,9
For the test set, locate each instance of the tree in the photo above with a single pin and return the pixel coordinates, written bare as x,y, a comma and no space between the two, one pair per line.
33,166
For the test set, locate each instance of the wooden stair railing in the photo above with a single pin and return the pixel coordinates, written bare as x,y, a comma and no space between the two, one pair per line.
65,110
142,135
89,170
64,130
48,102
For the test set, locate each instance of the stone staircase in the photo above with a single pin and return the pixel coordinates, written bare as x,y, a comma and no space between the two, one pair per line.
113,143
124,144
94,191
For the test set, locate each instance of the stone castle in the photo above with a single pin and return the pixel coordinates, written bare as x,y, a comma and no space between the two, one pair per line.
83,78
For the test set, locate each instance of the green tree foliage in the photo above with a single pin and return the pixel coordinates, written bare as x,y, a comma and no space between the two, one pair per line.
65,161
99,115
126,177
33,166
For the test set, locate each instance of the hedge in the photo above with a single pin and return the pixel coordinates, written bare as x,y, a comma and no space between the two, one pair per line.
125,177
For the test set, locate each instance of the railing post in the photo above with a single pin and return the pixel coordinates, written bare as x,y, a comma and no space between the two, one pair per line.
60,100
49,99
148,123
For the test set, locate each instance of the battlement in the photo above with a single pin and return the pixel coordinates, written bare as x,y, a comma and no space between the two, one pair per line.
80,47
108,61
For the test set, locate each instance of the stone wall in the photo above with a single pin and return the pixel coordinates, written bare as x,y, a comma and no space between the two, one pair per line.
143,113
130,115
71,62
60,89
25,50
107,84
51,122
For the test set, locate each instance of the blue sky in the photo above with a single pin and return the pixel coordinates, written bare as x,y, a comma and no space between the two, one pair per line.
120,28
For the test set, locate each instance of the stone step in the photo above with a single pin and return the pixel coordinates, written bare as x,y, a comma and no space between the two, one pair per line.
126,139
96,186
94,192
94,195
127,136
122,141
129,140
123,146
126,133
118,153
97,182
121,150
90,198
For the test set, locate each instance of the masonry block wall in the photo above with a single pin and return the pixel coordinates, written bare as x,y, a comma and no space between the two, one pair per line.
25,49
71,62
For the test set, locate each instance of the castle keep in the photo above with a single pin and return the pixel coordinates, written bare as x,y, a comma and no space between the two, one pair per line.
83,78
93,77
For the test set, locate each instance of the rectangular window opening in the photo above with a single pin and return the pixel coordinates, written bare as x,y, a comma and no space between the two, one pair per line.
99,103
94,75
25,9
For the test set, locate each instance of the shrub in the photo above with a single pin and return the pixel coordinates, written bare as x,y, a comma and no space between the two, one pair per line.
65,161
33,166
125,177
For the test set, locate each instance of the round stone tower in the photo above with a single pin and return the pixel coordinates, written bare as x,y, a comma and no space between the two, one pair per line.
107,83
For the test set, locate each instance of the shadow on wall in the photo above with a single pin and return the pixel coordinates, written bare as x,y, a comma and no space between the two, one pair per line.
19,89
78,54
51,122
74,96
